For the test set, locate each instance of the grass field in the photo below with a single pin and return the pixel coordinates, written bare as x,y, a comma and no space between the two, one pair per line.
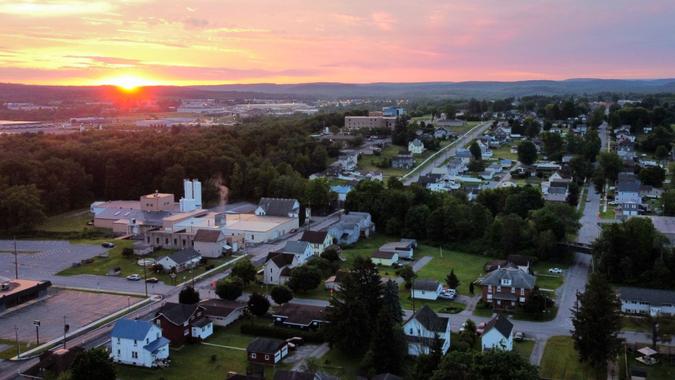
369,162
10,351
504,152
609,214
560,361
102,265
549,281
524,348
66,222
338,364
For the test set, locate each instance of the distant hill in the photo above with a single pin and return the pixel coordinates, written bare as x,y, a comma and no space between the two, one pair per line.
456,89
17,92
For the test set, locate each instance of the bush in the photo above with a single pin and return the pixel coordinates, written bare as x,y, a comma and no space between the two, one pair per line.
127,252
281,294
282,333
229,289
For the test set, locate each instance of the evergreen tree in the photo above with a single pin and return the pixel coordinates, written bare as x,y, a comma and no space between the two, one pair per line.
188,295
390,301
258,304
492,364
388,346
92,364
451,280
596,323
426,364
476,153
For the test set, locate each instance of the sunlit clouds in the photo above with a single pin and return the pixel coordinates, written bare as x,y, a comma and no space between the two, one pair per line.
237,41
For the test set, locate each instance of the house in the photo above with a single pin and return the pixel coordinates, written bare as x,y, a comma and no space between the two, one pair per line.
644,301
282,207
402,161
222,312
505,288
305,317
266,351
142,249
302,249
423,328
351,227
210,243
277,268
426,289
498,334
464,155
348,161
415,147
404,248
319,240
442,133
386,259
139,343
628,199
180,261
456,166
182,322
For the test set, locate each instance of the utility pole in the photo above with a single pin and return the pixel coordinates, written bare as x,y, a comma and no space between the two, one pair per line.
18,347
16,261
37,330
145,278
66,327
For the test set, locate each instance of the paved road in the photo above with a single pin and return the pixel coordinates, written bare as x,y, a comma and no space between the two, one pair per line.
448,151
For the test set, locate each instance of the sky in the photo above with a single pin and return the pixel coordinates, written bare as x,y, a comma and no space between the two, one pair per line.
138,42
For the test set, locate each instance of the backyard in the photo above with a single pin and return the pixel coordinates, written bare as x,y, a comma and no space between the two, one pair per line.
561,362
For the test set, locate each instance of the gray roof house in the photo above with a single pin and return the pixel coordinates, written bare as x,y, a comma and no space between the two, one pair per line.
517,278
285,207
181,260
647,301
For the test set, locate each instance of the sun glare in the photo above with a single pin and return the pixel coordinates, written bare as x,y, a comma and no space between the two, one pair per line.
128,83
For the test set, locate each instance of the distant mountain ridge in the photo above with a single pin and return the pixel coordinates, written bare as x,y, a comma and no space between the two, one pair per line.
388,90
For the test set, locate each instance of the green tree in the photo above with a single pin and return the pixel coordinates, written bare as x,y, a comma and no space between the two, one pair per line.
229,289
416,222
554,146
426,364
92,364
536,303
468,337
652,176
407,274
390,301
591,144
476,153
492,364
318,195
244,271
188,295
573,194
281,294
388,347
527,152
353,310
668,203
21,208
597,323
580,168
258,304
611,165
304,278
661,152
451,280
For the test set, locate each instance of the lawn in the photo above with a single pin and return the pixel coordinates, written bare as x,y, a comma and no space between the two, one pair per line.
560,361
546,281
128,265
609,214
209,362
338,364
369,162
66,222
504,152
10,351
524,348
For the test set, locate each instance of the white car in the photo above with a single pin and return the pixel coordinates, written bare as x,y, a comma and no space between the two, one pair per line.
134,277
447,296
555,270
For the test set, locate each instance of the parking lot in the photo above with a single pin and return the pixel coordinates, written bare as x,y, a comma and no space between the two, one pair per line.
79,308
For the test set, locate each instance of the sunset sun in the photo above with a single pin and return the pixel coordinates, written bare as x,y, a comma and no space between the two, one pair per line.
128,83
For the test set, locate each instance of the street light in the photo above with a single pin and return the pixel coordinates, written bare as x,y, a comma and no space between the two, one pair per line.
36,323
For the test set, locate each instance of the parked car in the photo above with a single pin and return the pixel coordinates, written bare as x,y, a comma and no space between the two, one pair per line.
555,270
519,336
447,296
296,340
152,280
107,244
134,277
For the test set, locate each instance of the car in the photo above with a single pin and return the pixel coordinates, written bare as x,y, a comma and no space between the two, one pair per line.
447,296
555,270
152,280
296,340
107,244
519,336
480,329
134,277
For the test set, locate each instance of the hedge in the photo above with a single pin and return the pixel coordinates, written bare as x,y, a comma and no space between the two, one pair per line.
282,333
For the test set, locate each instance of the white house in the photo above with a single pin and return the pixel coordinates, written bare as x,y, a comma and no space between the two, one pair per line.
283,207
277,268
423,328
416,147
386,259
222,312
628,198
426,289
647,301
210,243
319,240
180,261
498,334
139,343
404,248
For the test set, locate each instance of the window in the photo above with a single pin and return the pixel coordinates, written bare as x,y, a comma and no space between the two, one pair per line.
522,291
119,352
134,355
267,357
253,355
135,343
499,289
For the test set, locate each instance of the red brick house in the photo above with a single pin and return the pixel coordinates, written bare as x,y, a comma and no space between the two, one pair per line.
266,351
182,323
506,288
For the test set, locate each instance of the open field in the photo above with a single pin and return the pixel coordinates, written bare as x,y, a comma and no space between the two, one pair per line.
524,348
504,152
560,361
66,222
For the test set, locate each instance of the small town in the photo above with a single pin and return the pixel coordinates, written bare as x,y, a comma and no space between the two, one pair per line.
477,212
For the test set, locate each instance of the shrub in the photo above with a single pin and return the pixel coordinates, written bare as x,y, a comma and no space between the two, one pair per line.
282,333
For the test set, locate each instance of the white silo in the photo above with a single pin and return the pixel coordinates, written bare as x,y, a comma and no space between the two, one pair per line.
197,192
187,189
